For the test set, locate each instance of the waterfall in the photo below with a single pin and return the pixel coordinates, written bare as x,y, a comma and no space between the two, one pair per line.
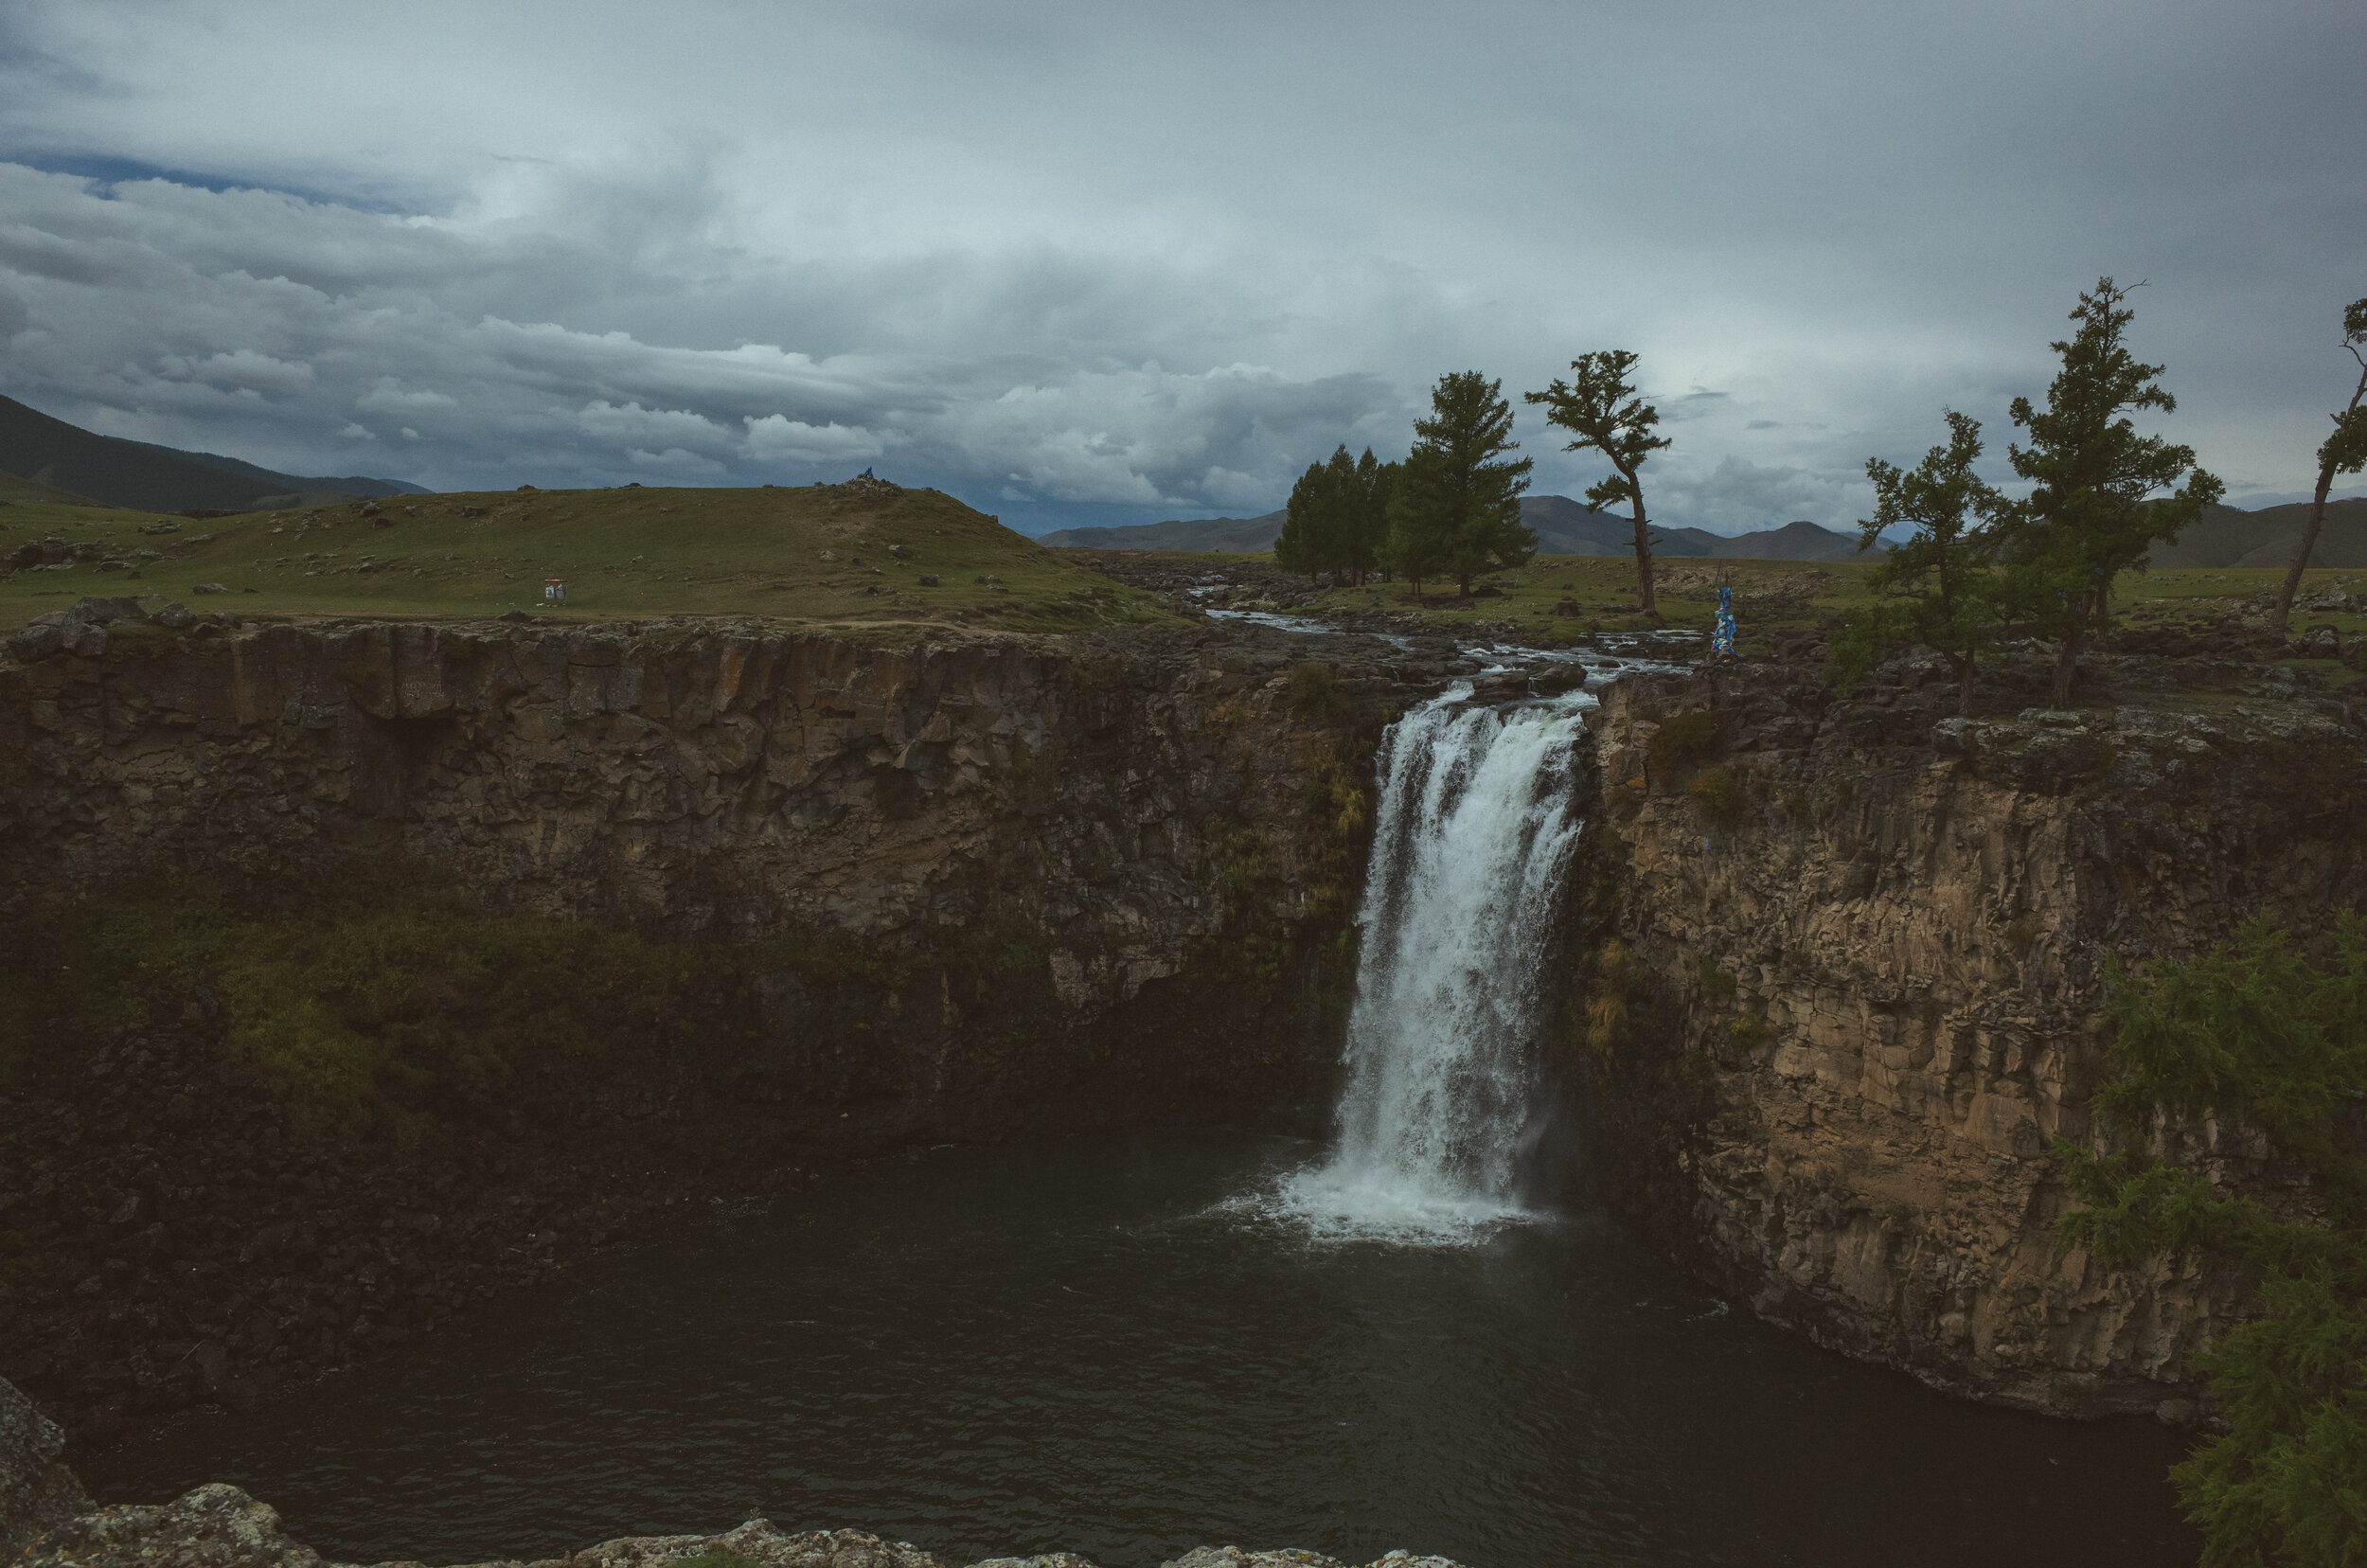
1476,823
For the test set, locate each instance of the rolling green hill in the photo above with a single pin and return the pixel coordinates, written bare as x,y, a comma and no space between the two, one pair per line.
2225,536
851,554
117,473
13,489
1563,527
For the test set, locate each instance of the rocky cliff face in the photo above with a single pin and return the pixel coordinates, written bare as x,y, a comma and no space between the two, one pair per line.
966,890
1847,997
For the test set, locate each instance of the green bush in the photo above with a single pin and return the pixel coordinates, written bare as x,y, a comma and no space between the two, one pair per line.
2253,1036
1683,739
1313,695
387,1016
1717,983
1717,792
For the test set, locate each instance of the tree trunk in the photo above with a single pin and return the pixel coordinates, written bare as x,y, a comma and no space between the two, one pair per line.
1963,686
2301,557
2067,665
1644,599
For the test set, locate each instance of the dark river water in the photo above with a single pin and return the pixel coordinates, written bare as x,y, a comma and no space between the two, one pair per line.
1080,1345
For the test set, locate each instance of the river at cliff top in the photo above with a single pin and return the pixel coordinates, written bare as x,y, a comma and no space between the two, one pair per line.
1092,1345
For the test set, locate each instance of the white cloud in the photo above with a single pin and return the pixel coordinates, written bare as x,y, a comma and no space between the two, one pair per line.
1155,259
355,432
777,439
676,463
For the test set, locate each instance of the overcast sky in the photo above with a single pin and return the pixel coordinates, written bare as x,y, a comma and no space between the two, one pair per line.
1094,263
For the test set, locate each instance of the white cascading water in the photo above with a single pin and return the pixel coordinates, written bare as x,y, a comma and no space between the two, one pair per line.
1477,820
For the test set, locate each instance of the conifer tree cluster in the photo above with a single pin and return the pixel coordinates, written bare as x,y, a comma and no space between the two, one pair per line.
1454,510
1337,520
2101,495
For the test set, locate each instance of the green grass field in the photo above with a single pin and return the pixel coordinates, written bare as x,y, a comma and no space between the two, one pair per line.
850,555
853,555
1769,593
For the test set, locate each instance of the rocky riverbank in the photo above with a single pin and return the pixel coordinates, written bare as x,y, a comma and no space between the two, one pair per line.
45,1522
1841,989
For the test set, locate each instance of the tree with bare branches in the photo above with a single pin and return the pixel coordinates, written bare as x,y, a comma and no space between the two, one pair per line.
2344,452
1600,407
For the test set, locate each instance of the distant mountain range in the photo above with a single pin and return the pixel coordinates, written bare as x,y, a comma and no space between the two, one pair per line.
1563,527
2225,536
116,472
1207,533
2221,537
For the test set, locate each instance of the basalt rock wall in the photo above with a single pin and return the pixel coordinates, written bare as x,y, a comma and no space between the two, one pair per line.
1010,885
1844,996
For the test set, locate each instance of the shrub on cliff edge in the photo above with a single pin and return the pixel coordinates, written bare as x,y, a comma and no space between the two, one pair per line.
2254,1037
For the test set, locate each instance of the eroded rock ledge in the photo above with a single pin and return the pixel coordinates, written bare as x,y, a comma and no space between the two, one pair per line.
219,1526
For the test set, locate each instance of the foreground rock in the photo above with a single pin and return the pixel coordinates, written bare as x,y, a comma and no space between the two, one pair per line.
219,1526
36,1492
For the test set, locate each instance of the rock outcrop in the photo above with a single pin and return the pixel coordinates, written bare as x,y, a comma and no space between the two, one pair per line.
1008,886
219,1526
1854,994
37,1492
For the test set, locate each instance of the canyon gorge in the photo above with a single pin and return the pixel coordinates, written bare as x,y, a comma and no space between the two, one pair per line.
1822,984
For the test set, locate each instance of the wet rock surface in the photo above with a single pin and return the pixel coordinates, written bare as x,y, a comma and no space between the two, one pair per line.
1867,967
37,1492
219,1526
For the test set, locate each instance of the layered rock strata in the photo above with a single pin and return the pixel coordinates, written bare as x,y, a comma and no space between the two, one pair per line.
1846,994
1020,887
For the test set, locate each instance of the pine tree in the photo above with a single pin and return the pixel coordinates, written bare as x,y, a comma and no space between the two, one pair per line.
2344,452
2093,512
1603,411
1299,546
1939,586
1455,507
2250,1042
1370,530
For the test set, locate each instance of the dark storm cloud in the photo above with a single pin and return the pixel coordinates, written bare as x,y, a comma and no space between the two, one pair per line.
1061,262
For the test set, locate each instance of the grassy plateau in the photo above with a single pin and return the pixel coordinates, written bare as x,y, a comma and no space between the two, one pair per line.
850,555
1599,594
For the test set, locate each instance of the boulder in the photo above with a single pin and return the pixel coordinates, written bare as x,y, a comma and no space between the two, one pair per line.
37,1493
173,617
34,642
211,588
1554,680
106,611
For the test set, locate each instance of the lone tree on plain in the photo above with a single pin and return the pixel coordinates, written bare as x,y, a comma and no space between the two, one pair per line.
1939,587
2092,513
2344,452
1455,507
1600,407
